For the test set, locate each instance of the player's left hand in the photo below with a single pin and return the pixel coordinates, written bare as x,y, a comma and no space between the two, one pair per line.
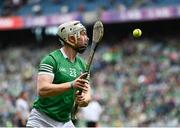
83,98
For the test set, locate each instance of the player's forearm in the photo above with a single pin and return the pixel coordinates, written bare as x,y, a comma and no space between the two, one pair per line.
47,89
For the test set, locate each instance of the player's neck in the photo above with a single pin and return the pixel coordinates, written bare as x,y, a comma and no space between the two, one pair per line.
70,53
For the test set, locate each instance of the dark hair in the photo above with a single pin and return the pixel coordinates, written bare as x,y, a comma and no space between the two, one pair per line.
22,93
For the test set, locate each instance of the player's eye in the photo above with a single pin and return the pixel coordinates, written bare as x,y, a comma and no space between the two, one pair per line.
83,33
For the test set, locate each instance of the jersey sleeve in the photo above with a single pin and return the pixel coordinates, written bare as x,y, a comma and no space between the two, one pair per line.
47,66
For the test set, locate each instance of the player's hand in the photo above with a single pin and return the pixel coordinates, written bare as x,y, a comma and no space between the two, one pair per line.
81,82
81,99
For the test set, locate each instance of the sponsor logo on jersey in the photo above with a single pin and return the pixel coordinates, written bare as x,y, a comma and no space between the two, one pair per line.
61,69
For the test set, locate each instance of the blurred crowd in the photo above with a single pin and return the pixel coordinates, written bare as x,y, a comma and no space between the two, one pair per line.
136,83
46,7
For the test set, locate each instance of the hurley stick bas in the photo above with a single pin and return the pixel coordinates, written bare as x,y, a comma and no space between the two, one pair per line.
98,32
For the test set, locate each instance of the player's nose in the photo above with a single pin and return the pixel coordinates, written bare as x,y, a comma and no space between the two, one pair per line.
87,40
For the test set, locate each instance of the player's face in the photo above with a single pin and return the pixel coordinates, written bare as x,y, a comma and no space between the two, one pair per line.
83,38
82,42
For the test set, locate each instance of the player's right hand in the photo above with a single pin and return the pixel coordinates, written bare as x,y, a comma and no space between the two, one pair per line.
79,83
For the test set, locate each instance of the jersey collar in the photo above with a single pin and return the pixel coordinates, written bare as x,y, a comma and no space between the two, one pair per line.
64,54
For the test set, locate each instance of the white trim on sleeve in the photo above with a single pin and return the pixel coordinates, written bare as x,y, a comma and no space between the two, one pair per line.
46,73
47,65
46,69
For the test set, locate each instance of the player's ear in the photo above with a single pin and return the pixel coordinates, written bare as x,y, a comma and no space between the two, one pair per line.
72,39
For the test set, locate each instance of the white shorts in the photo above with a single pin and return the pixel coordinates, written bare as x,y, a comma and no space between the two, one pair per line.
38,119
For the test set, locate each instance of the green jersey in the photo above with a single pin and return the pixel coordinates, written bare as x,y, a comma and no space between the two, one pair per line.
63,70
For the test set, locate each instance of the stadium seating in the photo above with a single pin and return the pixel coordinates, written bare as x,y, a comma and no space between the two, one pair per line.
54,6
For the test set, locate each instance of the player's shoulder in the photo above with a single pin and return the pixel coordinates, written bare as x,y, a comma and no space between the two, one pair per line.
55,52
48,62
51,56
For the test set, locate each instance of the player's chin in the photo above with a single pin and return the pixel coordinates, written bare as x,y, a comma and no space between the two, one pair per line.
82,49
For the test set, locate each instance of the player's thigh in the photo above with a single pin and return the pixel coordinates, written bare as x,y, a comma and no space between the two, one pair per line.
37,120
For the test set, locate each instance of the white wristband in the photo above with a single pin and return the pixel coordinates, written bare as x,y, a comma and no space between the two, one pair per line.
72,84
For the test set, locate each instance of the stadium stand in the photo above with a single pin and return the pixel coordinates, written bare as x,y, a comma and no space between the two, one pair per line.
46,7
